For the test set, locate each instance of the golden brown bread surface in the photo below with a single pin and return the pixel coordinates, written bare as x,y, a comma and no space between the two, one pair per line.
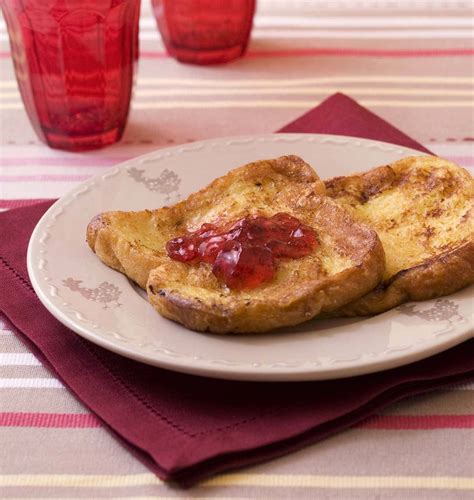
347,263
422,210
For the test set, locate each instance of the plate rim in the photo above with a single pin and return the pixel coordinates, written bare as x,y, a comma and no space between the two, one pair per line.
205,367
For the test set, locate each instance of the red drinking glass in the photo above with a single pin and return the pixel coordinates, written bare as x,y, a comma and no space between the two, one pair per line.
75,62
204,31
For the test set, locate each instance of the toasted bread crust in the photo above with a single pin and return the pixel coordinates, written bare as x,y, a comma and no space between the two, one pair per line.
292,302
446,261
348,262
118,252
435,277
105,232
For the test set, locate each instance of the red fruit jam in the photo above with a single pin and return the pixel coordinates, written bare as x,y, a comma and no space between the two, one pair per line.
245,254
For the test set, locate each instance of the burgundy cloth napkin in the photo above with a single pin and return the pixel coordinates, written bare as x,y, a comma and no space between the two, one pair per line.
186,428
341,115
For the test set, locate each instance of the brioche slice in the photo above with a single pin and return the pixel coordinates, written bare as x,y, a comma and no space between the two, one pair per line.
422,210
347,262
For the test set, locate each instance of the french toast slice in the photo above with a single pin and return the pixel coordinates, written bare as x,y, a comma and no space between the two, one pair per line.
347,262
422,210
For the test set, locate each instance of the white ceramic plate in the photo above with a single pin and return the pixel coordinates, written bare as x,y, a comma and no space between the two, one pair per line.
106,308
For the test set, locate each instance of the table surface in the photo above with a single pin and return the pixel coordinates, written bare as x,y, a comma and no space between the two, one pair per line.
410,62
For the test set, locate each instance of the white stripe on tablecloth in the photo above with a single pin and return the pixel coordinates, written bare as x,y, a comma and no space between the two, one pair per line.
337,34
41,190
304,91
371,91
330,35
271,6
290,82
375,91
287,82
38,177
45,173
292,104
353,21
18,359
446,149
295,103
271,21
288,32
357,34
29,383
343,22
378,22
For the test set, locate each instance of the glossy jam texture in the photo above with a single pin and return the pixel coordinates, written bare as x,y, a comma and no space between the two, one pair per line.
245,254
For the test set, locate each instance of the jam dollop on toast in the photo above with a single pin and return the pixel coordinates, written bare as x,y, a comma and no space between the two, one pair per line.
346,262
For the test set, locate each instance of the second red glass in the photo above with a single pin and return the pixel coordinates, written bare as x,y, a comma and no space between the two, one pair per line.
75,62
204,31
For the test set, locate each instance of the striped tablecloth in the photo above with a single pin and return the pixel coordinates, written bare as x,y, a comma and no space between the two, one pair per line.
410,62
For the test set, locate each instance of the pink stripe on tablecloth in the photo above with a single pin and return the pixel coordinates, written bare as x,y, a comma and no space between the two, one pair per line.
58,420
379,422
42,178
342,52
412,422
19,203
63,162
